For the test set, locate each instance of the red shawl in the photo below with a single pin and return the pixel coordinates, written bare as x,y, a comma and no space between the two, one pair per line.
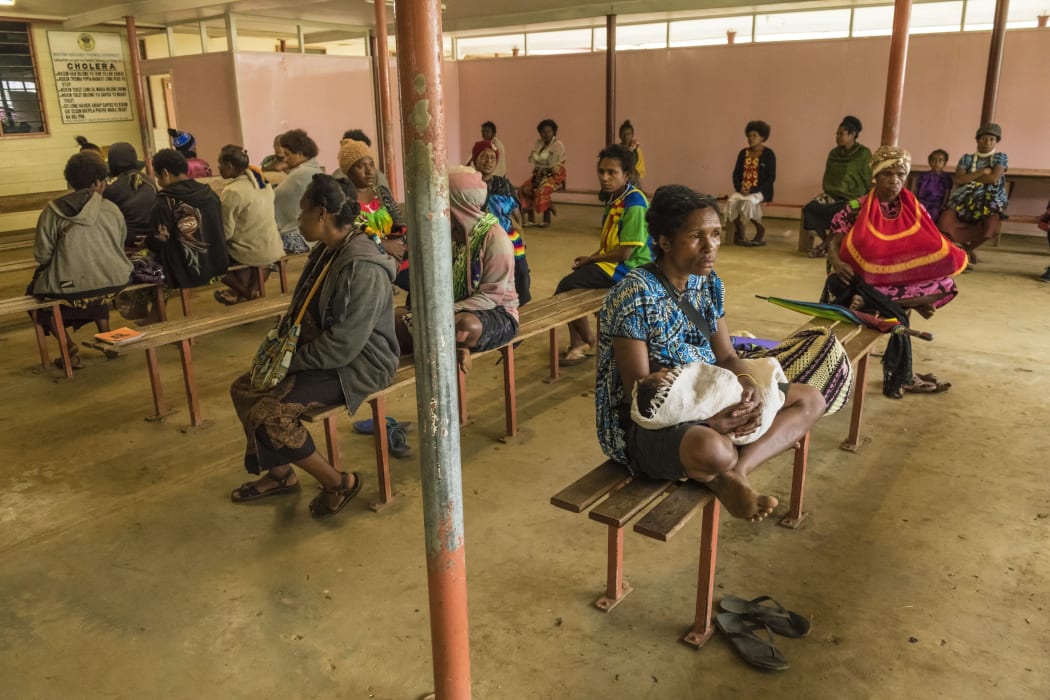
906,249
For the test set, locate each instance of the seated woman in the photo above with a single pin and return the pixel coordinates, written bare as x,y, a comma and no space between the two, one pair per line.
300,155
79,246
486,304
132,191
347,350
645,325
548,174
753,177
274,162
847,175
977,205
887,255
624,244
184,143
248,224
502,204
376,201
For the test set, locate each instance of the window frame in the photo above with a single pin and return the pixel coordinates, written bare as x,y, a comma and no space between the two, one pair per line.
45,122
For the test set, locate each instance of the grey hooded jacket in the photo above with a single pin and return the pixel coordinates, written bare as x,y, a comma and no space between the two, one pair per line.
357,318
80,247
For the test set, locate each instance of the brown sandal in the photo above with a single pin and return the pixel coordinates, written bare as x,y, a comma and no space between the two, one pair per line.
319,507
248,492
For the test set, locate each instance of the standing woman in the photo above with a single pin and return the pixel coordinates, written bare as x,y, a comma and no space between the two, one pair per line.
79,246
548,174
347,350
502,204
977,204
248,225
753,177
627,139
300,155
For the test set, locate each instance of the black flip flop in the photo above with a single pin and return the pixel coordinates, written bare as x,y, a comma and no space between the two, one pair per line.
247,492
758,652
320,510
767,612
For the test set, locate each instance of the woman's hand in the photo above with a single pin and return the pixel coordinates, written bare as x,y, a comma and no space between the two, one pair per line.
737,420
748,387
395,248
843,270
580,261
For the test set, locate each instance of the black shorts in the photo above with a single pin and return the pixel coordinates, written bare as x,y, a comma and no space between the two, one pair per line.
589,276
655,452
497,328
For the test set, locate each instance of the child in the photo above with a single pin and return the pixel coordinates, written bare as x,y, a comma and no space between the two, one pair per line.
697,391
933,187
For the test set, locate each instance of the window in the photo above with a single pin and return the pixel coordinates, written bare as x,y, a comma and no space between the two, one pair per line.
926,18
795,26
980,14
21,111
704,32
565,41
632,37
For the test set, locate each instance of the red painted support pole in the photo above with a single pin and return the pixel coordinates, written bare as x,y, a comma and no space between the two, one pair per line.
430,249
891,111
140,96
610,79
995,61
386,109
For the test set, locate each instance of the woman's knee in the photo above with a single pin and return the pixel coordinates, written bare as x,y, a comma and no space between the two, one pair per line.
705,453
806,398
468,327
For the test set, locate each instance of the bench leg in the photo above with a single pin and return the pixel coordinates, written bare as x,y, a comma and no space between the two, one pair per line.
60,334
379,435
331,438
189,379
854,442
805,242
160,406
464,412
796,515
555,357
41,340
260,279
616,589
703,628
160,300
282,270
184,297
510,398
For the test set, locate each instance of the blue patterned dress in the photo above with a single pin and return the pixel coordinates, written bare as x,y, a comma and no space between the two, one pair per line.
640,308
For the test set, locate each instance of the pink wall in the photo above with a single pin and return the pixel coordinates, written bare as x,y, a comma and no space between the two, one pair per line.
204,89
325,95
689,105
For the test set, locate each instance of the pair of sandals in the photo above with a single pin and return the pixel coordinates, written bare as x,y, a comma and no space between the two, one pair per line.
576,356
229,298
396,435
922,384
740,619
319,508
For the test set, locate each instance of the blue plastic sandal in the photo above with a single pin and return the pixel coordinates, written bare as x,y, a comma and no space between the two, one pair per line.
367,427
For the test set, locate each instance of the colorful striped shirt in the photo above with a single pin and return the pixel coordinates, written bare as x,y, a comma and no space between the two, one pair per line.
624,225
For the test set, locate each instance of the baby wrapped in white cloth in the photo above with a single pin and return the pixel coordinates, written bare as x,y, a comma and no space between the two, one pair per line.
697,391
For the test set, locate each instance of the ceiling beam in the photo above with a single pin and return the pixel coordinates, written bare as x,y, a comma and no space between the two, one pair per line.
152,8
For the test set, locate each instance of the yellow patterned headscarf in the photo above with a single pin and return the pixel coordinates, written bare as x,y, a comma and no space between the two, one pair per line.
889,156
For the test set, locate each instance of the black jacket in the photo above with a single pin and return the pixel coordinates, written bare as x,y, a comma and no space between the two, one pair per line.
187,235
767,173
134,194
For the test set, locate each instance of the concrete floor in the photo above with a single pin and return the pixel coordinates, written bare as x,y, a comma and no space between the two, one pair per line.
126,572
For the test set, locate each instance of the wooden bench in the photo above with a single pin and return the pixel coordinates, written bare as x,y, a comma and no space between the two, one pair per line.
18,265
32,306
674,503
543,316
181,333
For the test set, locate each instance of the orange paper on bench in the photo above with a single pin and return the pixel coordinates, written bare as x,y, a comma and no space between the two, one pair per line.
120,336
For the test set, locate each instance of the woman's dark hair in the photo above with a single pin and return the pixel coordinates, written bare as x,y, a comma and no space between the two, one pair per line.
338,199
621,153
490,125
626,125
547,122
86,145
670,208
938,151
759,127
851,124
297,141
84,169
357,135
170,160
236,156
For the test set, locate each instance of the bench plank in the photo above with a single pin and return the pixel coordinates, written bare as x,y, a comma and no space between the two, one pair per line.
672,513
17,265
17,305
622,505
582,493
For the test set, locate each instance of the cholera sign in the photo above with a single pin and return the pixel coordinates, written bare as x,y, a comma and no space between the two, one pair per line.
89,72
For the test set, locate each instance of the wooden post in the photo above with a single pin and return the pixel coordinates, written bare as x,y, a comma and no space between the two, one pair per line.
610,79
386,110
140,97
995,61
891,112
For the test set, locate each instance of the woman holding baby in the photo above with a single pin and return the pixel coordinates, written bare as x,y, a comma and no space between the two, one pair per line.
647,326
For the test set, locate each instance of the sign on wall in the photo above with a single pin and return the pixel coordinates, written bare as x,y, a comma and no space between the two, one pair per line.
89,73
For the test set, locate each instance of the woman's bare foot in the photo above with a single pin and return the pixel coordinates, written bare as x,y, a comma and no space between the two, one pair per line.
463,359
734,491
